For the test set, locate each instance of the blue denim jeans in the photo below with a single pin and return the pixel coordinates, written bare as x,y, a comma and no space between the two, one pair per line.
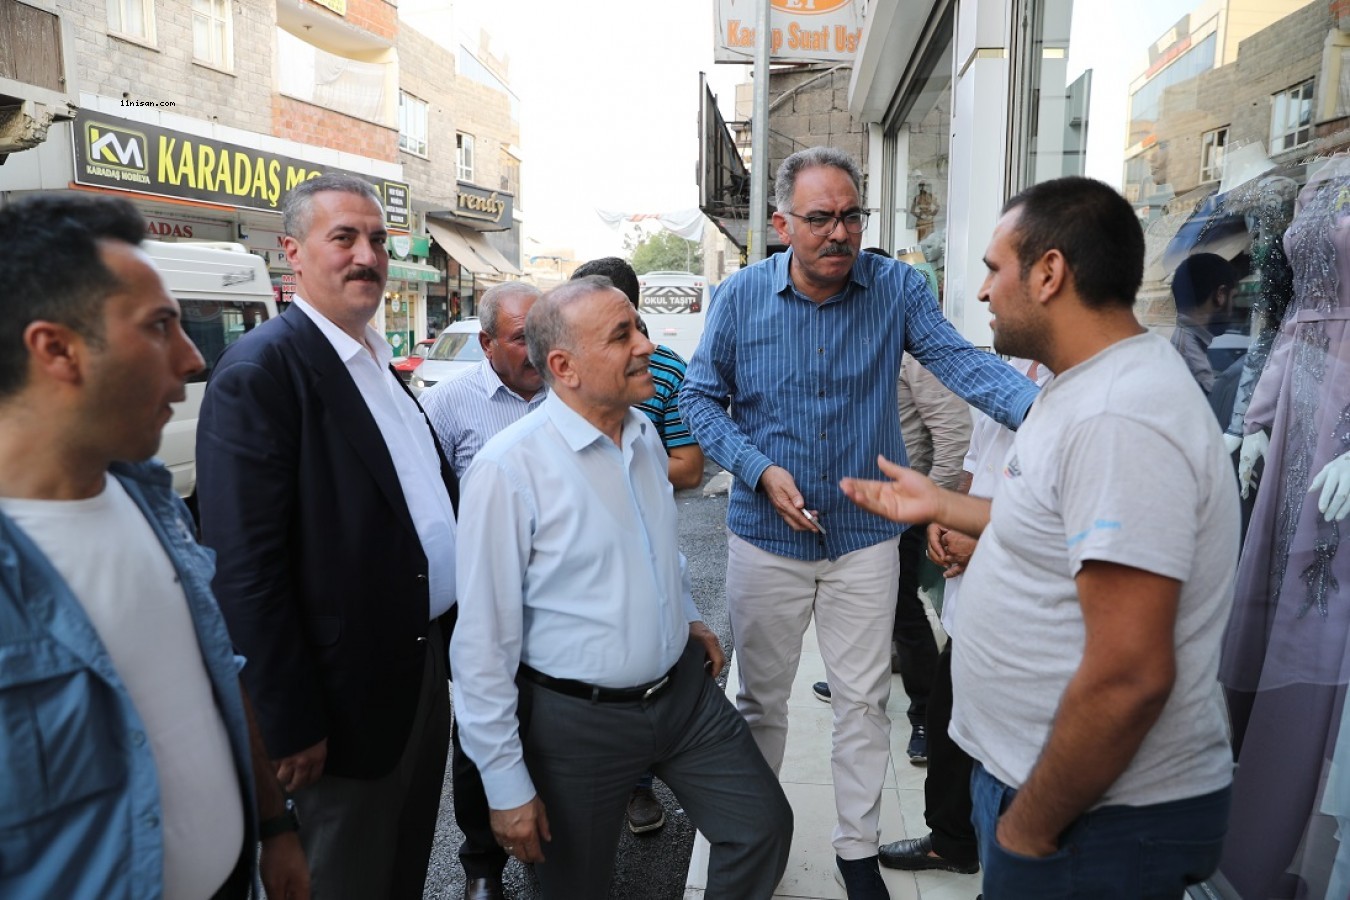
1110,852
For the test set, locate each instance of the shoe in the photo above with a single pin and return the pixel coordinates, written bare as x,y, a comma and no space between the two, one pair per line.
645,812
895,658
918,746
484,889
915,855
822,691
861,879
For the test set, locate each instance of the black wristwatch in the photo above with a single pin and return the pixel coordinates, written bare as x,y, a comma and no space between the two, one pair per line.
288,821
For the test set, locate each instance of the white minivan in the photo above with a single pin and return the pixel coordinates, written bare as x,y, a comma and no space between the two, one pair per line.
674,306
225,292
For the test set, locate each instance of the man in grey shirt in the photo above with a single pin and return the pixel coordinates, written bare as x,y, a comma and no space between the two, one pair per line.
1085,680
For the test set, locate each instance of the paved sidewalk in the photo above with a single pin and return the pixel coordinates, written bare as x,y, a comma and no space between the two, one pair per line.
807,781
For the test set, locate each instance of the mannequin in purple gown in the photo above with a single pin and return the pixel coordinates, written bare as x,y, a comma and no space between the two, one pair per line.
1284,663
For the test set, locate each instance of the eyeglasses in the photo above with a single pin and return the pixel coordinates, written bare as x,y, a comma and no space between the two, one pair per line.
823,226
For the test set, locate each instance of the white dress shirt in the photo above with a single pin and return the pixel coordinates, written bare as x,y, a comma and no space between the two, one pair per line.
411,447
467,410
568,562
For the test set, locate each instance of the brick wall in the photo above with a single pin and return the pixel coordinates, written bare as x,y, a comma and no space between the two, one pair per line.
427,71
165,70
379,17
814,114
309,124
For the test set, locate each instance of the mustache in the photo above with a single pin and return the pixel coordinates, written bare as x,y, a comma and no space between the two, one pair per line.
363,274
837,248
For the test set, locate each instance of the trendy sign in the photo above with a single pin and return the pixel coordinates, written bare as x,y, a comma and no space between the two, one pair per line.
800,31
135,156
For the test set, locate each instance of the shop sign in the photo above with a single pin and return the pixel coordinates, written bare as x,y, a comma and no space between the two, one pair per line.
117,153
163,227
481,205
800,30
337,6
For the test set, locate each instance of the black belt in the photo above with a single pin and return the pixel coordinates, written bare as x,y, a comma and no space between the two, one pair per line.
594,692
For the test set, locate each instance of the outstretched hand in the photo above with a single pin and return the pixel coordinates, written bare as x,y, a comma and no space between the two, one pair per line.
908,497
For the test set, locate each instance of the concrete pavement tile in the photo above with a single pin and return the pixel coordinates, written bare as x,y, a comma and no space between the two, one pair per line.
806,759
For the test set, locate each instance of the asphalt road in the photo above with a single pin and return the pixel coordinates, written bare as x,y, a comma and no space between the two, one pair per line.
650,866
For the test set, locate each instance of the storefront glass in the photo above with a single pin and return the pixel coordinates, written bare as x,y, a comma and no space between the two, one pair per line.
400,316
917,140
1224,123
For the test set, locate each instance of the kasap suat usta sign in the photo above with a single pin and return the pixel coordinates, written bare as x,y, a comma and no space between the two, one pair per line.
799,30
135,156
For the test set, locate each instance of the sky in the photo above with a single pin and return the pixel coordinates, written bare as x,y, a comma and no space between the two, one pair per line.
609,99
609,107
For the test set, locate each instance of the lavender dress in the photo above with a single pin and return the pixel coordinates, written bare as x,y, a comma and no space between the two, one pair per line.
1284,664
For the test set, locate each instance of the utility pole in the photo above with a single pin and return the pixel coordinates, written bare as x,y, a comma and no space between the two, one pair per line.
759,137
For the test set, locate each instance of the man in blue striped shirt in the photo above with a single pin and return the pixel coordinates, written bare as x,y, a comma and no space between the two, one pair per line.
793,386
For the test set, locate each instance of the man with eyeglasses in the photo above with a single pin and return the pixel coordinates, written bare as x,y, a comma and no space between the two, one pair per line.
793,386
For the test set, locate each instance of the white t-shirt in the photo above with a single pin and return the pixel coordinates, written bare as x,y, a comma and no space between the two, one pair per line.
1120,460
990,443
112,561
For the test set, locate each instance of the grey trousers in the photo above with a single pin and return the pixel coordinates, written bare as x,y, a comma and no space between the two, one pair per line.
372,838
584,758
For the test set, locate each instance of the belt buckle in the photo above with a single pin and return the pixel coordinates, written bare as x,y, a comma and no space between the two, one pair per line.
647,695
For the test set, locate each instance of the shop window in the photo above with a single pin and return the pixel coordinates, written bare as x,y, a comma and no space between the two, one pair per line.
510,180
412,124
1291,117
1212,145
133,19
212,33
463,156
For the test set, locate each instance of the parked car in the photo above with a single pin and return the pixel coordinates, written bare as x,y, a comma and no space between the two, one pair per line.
405,365
455,352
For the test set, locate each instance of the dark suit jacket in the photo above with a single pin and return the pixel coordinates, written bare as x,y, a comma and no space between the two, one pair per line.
319,570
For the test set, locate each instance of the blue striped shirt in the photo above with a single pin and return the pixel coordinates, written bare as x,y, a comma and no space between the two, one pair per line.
668,369
812,388
466,411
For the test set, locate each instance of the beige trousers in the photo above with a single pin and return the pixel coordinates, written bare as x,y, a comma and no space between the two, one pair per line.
771,600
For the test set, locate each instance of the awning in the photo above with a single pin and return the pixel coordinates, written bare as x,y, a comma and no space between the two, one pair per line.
492,254
413,271
459,243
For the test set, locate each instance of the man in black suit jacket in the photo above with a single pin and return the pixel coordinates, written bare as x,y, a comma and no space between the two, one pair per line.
330,507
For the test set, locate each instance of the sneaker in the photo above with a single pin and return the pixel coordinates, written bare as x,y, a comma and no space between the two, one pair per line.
644,811
822,691
861,879
918,746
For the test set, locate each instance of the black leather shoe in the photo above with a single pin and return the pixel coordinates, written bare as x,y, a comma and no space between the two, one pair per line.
484,889
861,879
913,855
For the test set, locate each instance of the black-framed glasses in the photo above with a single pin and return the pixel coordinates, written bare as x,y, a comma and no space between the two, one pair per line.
823,226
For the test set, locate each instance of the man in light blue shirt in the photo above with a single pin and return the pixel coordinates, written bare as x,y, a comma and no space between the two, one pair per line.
579,657
465,412
806,348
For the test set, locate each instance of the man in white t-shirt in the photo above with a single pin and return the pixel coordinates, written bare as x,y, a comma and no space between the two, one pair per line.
1085,678
129,759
